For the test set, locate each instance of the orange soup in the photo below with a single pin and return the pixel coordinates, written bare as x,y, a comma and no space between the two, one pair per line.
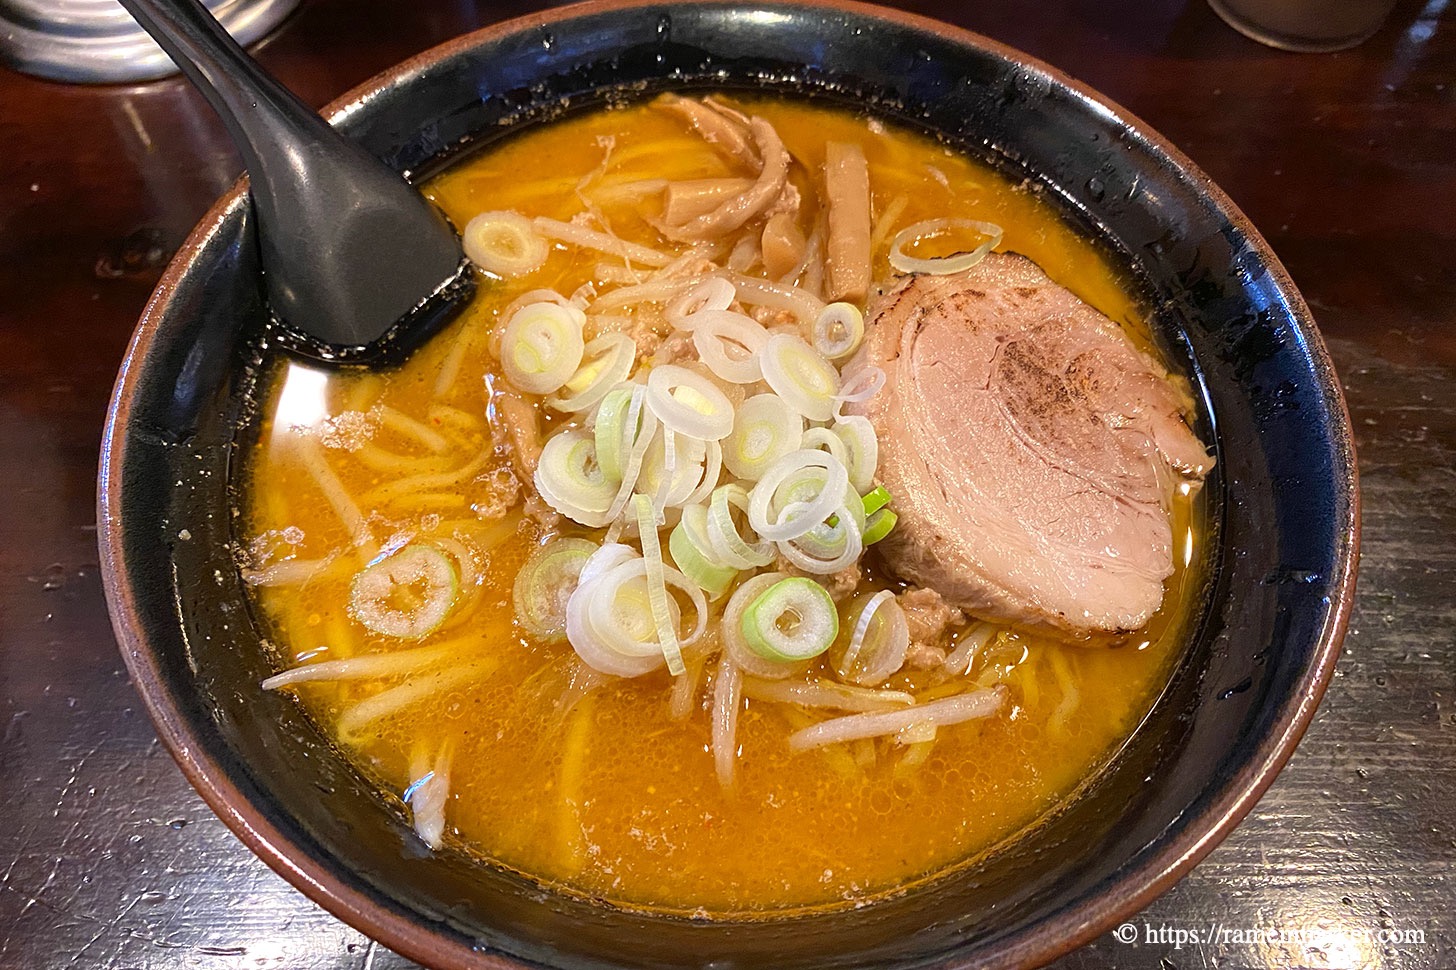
511,748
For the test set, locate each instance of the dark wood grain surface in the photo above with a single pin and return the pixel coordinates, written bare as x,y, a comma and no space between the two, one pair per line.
1347,163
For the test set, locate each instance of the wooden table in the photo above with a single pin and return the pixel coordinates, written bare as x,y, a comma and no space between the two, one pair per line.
1347,162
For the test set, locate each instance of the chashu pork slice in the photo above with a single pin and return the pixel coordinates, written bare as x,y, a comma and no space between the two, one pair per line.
1030,447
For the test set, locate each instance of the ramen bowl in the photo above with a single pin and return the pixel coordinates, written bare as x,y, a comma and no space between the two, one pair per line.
1283,500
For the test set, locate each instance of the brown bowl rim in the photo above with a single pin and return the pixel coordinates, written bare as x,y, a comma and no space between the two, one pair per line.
1028,948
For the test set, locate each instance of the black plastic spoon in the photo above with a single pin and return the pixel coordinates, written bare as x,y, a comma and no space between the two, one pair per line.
357,264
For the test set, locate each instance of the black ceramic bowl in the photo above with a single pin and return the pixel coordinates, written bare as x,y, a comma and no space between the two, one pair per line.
1284,500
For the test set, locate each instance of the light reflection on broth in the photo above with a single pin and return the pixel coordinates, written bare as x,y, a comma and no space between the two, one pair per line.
601,791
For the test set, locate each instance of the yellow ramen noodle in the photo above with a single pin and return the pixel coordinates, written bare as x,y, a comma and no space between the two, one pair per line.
591,783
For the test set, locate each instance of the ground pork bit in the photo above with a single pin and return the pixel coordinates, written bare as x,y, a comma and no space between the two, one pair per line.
840,585
644,329
772,318
676,348
930,620
924,656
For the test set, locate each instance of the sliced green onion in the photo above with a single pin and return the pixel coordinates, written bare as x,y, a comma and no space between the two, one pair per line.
829,546
606,362
800,376
862,450
823,439
406,595
776,517
801,486
853,505
608,557
542,346
731,627
878,525
765,429
692,552
545,584
838,330
571,480
712,471
858,387
876,499
621,613
609,621
657,596
942,266
609,429
728,545
792,620
640,428
609,648
878,640
729,344
713,293
662,476
504,243
688,403
672,468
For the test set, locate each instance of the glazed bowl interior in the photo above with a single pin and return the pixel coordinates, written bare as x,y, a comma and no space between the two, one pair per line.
1283,504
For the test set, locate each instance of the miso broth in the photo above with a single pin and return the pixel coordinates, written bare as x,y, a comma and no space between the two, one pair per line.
588,783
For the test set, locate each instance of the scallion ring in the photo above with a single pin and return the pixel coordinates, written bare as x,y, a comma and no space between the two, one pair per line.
672,469
405,595
622,641
687,402
876,499
800,376
765,429
638,430
712,471
609,427
861,450
790,470
823,439
729,344
878,525
713,293
735,646
545,584
945,265
606,362
542,346
860,386
838,330
663,615
692,552
827,548
504,244
729,546
792,620
571,480
877,642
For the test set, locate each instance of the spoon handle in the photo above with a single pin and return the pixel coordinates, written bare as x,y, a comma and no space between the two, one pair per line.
350,251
